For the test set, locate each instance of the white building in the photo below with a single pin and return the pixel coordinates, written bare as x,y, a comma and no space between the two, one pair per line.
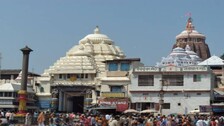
179,89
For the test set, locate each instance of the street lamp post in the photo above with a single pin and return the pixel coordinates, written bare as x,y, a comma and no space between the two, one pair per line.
161,96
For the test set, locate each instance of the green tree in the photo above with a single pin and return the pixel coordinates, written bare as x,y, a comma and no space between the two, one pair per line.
222,56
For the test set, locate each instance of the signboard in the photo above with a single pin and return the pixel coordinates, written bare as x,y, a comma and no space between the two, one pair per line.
212,108
195,68
46,104
218,108
170,68
113,95
120,104
205,108
147,69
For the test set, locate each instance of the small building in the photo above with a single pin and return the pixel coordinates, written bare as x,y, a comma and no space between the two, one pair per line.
9,87
171,89
115,85
9,97
216,64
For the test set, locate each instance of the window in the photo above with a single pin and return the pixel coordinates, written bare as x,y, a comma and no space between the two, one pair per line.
116,88
1,94
175,93
60,76
68,76
138,106
41,89
145,80
196,78
113,67
15,94
173,80
198,93
86,75
8,94
145,93
125,66
6,102
82,75
166,105
97,93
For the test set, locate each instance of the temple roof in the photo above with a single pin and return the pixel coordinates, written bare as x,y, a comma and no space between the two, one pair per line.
213,61
180,57
88,55
13,87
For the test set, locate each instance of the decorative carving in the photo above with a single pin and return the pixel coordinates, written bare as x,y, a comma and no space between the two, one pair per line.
55,93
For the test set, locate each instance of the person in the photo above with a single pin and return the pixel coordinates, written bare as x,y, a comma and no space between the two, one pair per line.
114,121
11,118
35,115
7,114
93,120
41,119
28,119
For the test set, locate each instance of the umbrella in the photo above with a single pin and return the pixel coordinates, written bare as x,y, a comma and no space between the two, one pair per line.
131,111
149,111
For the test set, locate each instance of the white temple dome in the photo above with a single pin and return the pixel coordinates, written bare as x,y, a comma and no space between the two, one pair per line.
96,38
186,34
190,31
87,56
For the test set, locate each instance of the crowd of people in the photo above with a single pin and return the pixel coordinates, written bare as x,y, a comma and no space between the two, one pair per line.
128,119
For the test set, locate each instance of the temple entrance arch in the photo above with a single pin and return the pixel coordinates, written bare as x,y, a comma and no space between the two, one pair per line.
72,98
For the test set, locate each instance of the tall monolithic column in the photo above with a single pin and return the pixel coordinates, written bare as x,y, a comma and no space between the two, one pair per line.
23,89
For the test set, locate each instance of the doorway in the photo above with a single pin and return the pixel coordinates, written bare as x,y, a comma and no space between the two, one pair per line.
78,104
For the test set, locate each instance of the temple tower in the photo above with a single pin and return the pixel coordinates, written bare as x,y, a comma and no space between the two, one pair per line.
194,39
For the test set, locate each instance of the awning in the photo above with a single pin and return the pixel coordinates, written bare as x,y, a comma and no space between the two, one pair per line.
16,106
104,107
115,79
220,91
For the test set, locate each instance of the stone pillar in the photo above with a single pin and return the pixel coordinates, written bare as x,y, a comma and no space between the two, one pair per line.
54,100
23,89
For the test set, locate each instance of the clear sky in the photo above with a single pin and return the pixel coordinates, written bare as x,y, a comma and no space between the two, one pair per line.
143,29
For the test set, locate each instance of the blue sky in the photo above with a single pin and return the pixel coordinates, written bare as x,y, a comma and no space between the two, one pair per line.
143,29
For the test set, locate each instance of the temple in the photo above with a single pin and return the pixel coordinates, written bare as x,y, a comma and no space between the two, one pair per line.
76,77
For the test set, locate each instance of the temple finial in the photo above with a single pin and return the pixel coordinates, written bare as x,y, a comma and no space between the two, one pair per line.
189,25
97,30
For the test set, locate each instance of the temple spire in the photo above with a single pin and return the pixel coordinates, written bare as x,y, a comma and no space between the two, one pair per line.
189,25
